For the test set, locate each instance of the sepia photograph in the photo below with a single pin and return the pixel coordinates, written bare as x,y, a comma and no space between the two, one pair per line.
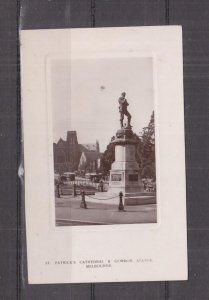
103,140
103,127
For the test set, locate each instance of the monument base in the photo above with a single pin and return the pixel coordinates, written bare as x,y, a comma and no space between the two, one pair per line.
125,181
125,173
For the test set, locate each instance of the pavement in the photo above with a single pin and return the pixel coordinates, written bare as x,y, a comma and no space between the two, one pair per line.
69,212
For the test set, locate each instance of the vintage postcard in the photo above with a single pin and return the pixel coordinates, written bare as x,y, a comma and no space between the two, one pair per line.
103,127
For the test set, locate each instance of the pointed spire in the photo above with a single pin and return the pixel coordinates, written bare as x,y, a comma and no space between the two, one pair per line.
97,146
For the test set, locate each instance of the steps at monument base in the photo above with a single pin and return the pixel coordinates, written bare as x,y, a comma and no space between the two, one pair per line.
148,194
140,198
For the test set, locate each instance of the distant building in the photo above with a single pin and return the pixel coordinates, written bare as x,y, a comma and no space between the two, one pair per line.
67,154
89,162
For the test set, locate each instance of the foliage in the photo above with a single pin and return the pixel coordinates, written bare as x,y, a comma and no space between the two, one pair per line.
107,158
147,149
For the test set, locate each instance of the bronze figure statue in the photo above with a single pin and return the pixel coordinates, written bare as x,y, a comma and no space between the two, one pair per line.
123,110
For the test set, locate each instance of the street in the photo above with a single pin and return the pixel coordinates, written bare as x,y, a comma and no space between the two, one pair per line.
69,213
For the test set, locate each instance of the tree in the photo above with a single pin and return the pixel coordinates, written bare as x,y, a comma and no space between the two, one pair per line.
147,149
108,158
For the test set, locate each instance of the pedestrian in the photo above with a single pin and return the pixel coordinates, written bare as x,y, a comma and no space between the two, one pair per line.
101,185
58,189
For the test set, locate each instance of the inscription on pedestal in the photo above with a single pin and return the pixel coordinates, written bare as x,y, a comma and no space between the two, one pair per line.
116,177
133,177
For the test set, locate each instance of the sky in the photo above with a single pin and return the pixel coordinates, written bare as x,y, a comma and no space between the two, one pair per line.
85,96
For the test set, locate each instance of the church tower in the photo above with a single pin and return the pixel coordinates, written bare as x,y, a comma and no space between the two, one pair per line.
73,151
97,146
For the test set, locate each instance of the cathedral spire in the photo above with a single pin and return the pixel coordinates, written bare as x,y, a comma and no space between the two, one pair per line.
97,146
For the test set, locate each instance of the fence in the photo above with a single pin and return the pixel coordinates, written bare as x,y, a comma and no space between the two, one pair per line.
69,187
84,204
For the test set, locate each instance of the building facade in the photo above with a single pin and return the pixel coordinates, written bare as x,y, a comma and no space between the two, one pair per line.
67,153
89,162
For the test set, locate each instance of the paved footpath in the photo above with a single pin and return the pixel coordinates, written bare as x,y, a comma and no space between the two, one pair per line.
68,212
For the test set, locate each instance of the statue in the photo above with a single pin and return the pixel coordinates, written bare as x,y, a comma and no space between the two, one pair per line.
123,110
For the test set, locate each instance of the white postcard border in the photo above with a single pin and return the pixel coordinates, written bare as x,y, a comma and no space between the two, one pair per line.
164,243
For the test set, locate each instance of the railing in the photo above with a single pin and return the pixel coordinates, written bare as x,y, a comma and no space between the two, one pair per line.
76,186
84,204
68,186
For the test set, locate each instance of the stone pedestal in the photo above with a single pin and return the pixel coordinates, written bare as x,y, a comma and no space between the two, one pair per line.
124,175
